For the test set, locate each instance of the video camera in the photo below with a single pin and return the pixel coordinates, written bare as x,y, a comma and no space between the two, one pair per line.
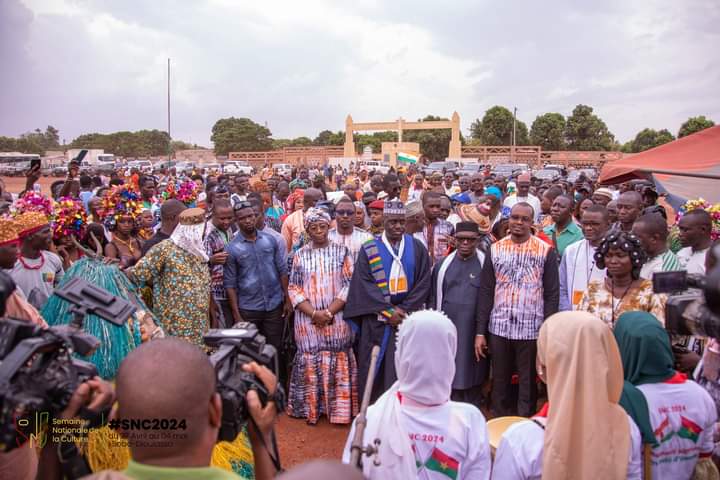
38,370
237,346
694,312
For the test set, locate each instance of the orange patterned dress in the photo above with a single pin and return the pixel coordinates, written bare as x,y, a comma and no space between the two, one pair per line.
324,376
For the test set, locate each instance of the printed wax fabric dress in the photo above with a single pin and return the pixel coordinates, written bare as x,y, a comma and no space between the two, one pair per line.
324,376
181,290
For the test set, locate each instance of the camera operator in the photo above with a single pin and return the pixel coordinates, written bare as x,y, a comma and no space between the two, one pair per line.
94,395
184,389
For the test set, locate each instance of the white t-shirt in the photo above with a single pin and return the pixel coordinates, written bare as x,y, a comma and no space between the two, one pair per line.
520,453
452,436
531,199
682,416
693,262
38,282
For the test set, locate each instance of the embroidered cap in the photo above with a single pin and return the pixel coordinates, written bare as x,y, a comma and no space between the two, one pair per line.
394,207
8,231
192,216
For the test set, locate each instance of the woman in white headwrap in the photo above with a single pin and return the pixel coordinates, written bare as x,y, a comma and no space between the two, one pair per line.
423,433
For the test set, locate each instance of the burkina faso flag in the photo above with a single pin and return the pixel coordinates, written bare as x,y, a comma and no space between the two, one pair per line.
442,463
688,429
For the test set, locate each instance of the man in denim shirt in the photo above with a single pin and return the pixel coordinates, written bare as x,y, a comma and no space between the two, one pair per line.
256,277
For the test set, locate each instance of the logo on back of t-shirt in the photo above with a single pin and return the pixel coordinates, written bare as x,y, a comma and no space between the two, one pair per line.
689,430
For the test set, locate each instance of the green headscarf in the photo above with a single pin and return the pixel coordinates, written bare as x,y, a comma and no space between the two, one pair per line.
647,358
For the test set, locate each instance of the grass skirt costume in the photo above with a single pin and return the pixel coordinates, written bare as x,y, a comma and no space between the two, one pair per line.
116,341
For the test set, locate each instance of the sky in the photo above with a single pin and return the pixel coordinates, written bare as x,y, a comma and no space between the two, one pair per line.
303,66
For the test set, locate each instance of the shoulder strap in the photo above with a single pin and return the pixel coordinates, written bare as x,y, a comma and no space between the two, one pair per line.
536,422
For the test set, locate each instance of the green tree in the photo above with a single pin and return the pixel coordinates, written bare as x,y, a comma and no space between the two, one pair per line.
647,139
52,137
586,131
548,131
177,145
301,142
240,134
694,124
434,143
496,128
326,137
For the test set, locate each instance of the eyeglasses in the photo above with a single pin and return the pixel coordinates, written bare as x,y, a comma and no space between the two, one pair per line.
344,213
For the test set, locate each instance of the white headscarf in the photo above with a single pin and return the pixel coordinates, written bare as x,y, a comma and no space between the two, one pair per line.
190,239
420,380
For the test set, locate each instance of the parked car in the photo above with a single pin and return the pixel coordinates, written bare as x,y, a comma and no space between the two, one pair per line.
377,167
213,168
184,167
235,167
145,166
441,167
589,173
550,174
506,169
59,171
470,169
283,169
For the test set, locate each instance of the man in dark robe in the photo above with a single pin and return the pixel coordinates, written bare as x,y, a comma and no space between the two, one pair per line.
454,291
390,281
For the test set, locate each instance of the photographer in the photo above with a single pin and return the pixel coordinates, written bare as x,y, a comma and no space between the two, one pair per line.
185,390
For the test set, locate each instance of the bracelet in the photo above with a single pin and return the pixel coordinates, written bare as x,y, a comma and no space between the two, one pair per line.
313,314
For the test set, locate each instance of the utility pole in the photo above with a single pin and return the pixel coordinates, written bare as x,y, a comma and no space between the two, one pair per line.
512,150
168,113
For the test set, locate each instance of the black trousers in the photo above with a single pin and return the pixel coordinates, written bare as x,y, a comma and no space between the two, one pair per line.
226,318
508,357
471,395
270,324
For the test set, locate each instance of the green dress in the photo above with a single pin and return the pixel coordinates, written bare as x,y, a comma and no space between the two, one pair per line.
180,289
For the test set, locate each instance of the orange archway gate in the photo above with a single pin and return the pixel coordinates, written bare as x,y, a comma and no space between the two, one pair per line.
399,126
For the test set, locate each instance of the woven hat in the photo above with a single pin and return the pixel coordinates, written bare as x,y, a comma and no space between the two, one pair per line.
497,426
605,192
31,222
192,216
8,231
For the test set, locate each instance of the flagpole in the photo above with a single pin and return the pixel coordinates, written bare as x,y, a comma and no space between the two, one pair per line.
168,112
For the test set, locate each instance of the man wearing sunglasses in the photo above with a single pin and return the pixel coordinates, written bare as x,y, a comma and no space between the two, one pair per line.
346,233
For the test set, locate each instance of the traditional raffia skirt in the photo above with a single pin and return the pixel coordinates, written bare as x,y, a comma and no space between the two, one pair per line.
116,341
106,450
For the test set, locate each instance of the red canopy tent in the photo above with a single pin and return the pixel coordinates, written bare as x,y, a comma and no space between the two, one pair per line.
687,168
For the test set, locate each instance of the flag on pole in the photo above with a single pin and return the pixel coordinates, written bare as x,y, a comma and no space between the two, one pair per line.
406,158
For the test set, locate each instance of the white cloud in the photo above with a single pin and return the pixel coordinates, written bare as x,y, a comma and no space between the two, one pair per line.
100,65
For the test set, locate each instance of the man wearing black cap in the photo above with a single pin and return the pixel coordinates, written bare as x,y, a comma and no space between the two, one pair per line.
390,281
454,290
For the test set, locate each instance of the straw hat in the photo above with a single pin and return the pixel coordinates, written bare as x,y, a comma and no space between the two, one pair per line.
30,222
497,426
8,231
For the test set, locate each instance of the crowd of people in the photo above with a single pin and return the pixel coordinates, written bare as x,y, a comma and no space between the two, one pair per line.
518,296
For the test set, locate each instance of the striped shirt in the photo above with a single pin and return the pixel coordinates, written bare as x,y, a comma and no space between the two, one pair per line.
665,262
521,286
